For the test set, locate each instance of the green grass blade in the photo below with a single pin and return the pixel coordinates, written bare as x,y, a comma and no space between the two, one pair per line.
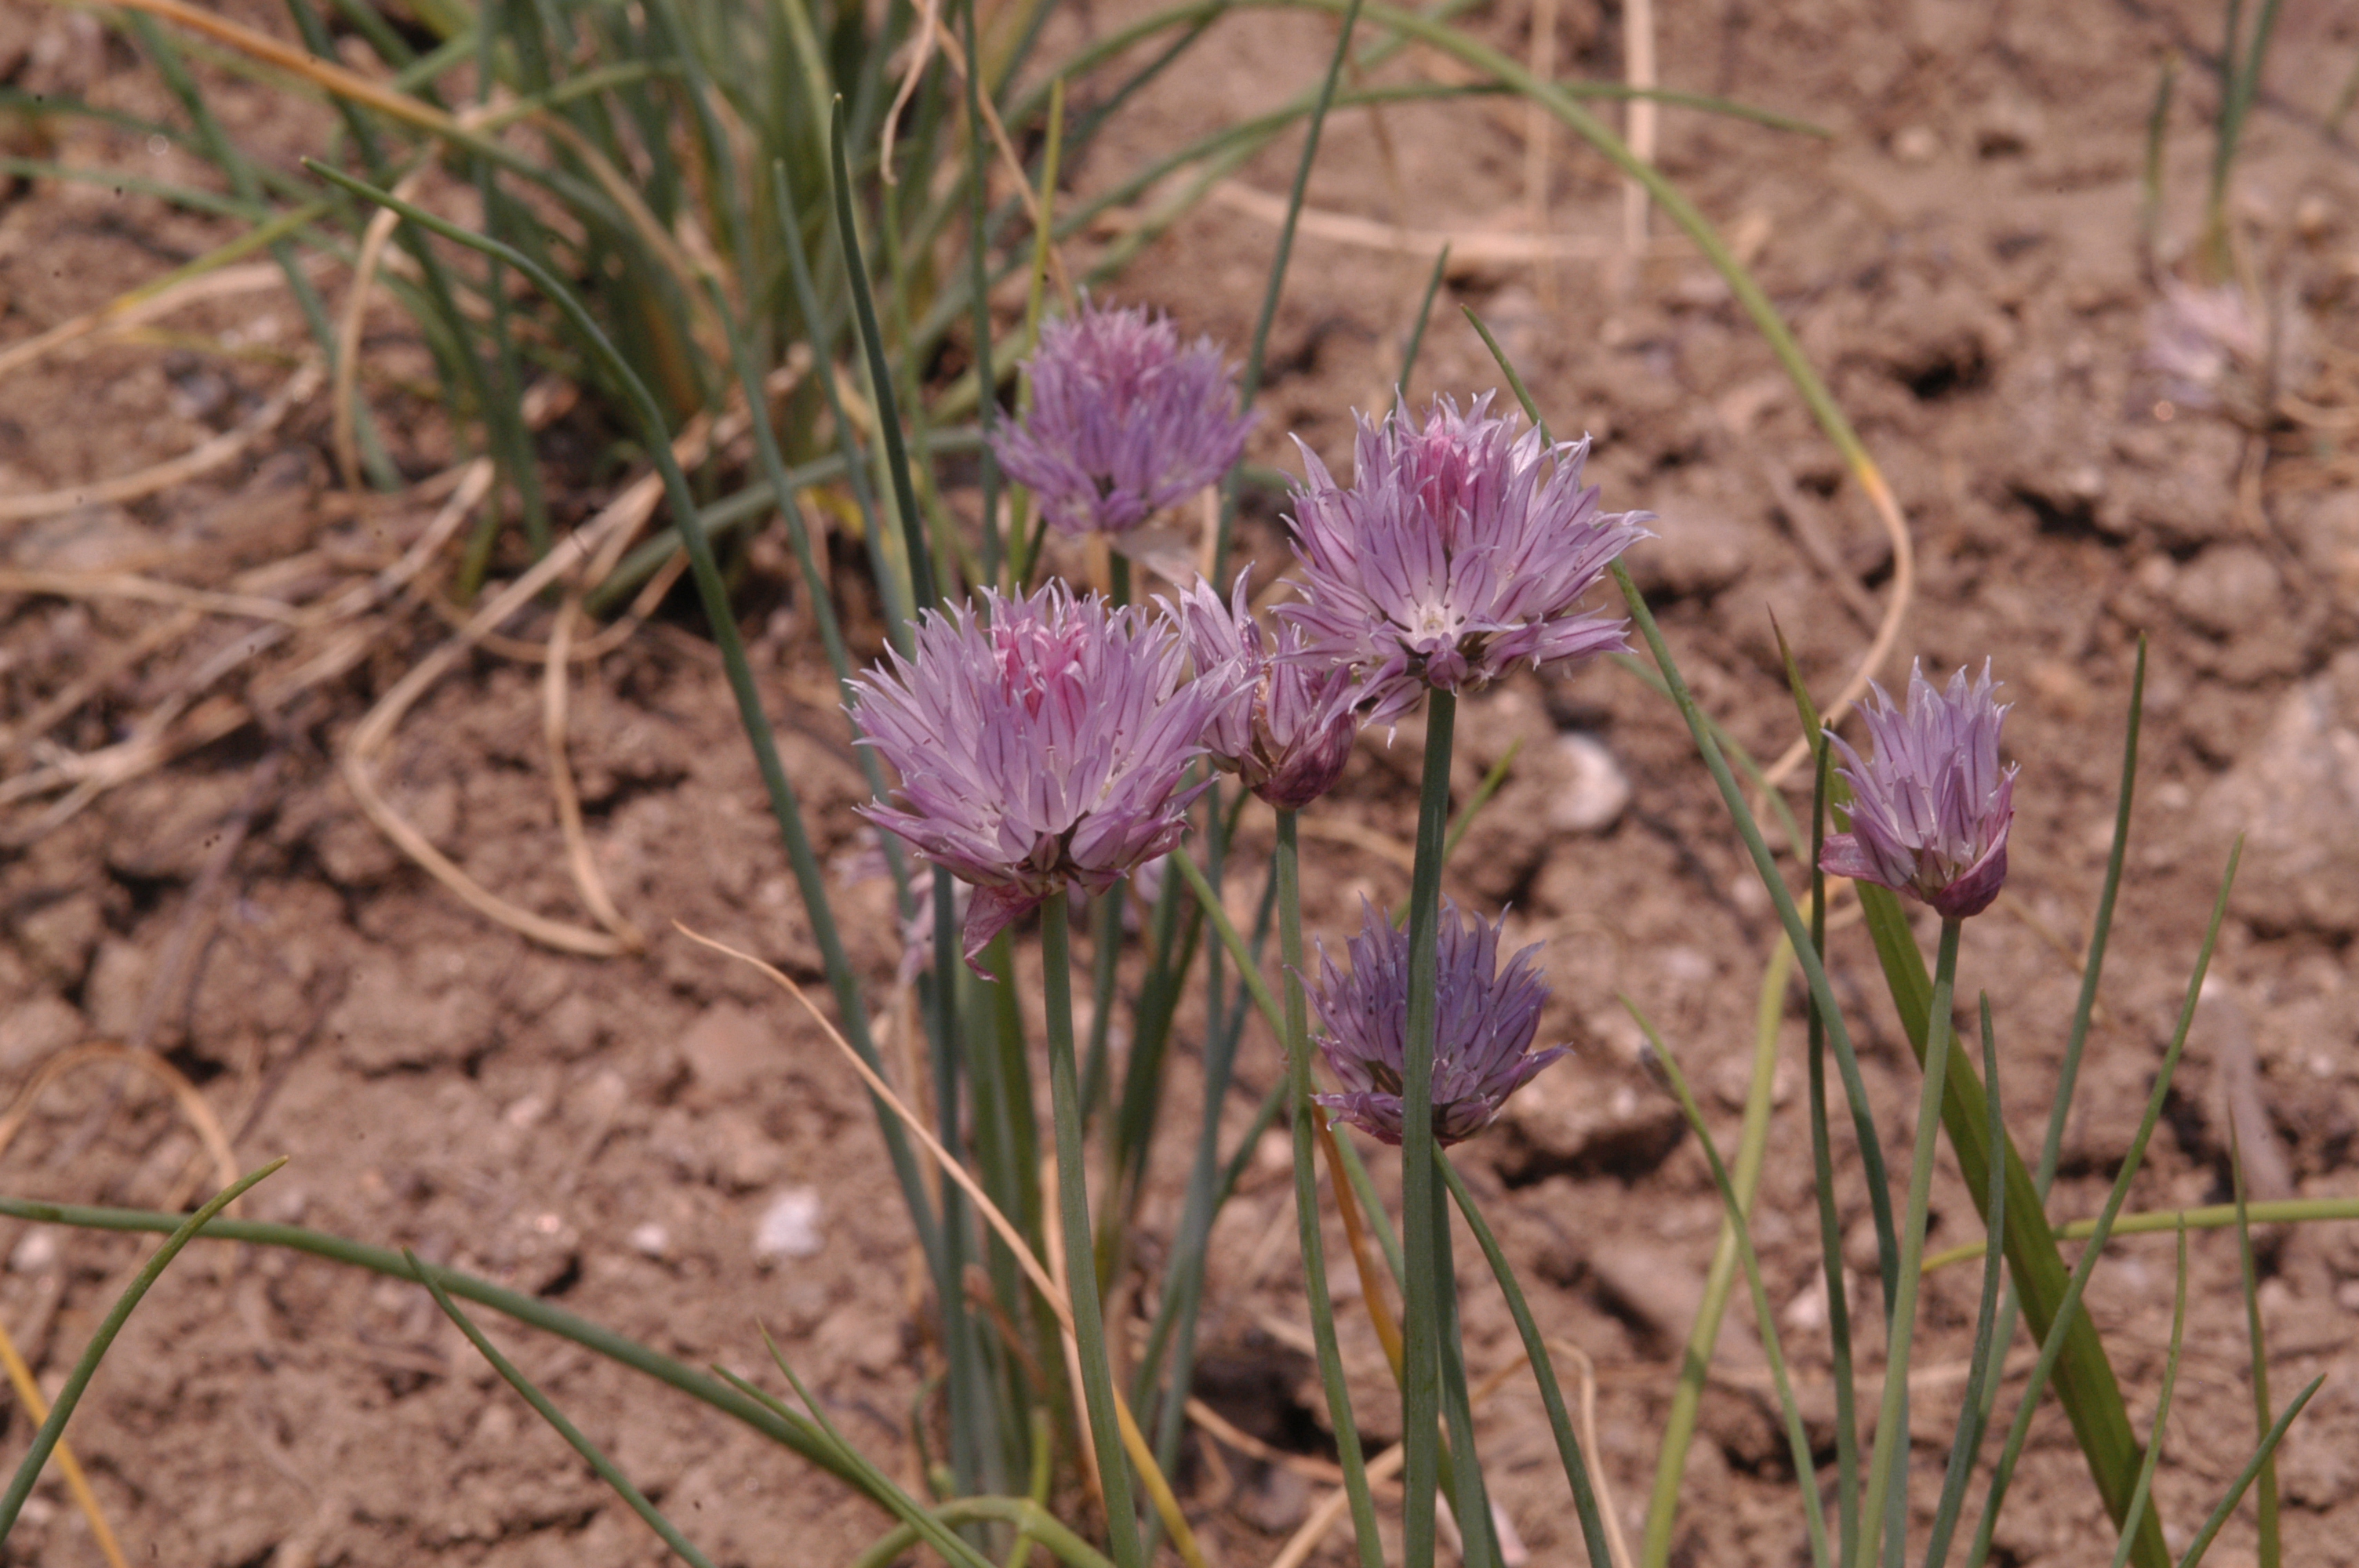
1891,1447
911,1512
1720,1279
2117,1475
2162,1409
1822,1169
2271,1547
795,1433
1417,328
1074,1223
2261,1456
590,1452
1307,1210
1971,1413
69,1394
1798,1440
1568,1447
2100,931
1032,1522
919,561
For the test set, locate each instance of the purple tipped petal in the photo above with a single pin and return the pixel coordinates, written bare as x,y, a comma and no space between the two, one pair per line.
1460,549
1125,421
1040,748
1485,1020
1929,816
1289,729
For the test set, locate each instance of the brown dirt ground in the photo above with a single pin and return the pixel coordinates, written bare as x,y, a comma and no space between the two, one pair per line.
1961,258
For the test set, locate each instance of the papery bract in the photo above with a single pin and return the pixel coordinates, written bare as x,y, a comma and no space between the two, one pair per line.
1460,549
1125,421
1289,729
1043,747
1485,1020
1929,816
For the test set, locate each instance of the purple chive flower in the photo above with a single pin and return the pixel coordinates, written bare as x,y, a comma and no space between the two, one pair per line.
1460,549
1929,816
1289,731
1042,749
1482,1034
1125,422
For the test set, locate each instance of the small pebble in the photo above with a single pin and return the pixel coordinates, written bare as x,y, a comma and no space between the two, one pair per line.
790,1227
651,1239
36,1252
1915,145
1594,791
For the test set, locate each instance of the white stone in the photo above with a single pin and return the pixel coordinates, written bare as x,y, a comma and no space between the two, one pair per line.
1595,790
651,1239
790,1227
36,1252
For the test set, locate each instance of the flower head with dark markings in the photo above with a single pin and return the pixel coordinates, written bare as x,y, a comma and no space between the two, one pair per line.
1485,1019
1928,817
1041,748
1460,549
1125,421
1289,731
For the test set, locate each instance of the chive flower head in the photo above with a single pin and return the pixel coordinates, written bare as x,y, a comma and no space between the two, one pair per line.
1124,420
1929,816
1460,548
1288,730
1041,745
1485,1020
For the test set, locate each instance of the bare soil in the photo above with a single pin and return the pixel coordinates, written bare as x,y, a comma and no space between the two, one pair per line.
1962,259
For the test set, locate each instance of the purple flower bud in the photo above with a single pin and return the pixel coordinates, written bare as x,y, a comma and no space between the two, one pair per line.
1484,1020
1289,729
1460,549
1125,422
1042,749
1929,816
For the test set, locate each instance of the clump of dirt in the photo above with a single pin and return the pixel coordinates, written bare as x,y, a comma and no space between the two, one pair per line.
1961,257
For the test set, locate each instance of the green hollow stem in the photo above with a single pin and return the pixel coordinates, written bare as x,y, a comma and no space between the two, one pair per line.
1822,1167
1753,1147
2115,1468
794,1434
2161,1410
2236,1494
1032,1523
1798,1441
2155,1222
1889,1455
53,1428
1568,1447
592,1454
1421,1306
1073,1221
2269,1540
1307,1210
1974,1415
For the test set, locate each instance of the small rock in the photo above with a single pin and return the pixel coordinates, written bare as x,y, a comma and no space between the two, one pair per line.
1915,145
650,1240
790,1227
36,1252
1592,790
